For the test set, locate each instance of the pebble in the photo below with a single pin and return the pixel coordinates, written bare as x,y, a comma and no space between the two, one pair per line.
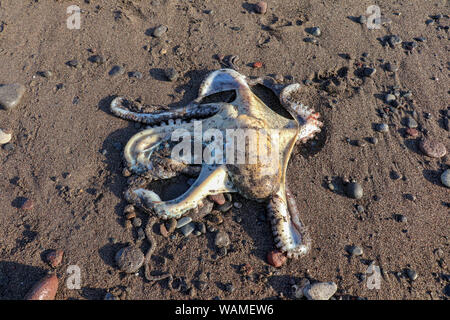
28,204
261,7
160,31
11,95
172,225
54,258
5,136
219,199
222,239
72,63
137,222
45,289
187,229
183,221
382,127
96,59
171,74
432,148
45,74
225,207
391,67
315,31
130,216
320,291
356,251
135,74
410,123
140,234
414,133
445,178
276,258
310,40
129,259
354,190
8,147
389,98
368,72
116,70
373,140
394,40
412,274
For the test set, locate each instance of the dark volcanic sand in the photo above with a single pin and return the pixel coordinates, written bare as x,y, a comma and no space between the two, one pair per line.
77,191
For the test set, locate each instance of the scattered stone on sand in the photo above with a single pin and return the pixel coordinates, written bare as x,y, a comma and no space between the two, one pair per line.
315,31
391,67
382,127
373,140
412,274
45,74
96,59
394,40
314,41
160,31
11,95
54,258
222,239
257,65
432,148
362,19
73,63
5,136
116,70
28,204
129,259
298,289
137,222
411,123
445,178
261,7
368,72
354,190
218,199
276,258
225,207
187,229
172,225
389,98
45,289
320,291
171,74
135,74
412,132
355,251
183,221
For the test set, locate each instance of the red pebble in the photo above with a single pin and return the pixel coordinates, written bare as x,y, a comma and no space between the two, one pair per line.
54,258
276,258
27,205
45,289
261,7
412,132
257,64
219,199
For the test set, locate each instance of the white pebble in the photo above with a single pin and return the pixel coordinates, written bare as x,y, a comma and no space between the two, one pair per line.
5,137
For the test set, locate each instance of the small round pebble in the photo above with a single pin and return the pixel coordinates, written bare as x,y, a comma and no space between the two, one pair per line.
432,148
382,127
412,132
315,31
96,59
261,7
54,258
356,251
187,229
116,70
354,190
389,98
137,222
225,207
129,259
28,204
412,274
368,72
445,178
276,258
160,31
219,199
5,136
411,123
320,291
391,67
222,239
135,74
171,74
73,63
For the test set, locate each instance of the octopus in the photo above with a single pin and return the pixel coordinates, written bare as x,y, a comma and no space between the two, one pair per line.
154,153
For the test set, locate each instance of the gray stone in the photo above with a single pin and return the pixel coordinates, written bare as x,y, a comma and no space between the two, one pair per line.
129,259
368,72
354,190
222,239
382,127
160,31
320,291
11,95
356,251
411,123
116,70
187,229
445,178
412,274
389,98
183,221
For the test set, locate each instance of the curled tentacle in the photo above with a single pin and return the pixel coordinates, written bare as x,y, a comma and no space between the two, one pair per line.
290,234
